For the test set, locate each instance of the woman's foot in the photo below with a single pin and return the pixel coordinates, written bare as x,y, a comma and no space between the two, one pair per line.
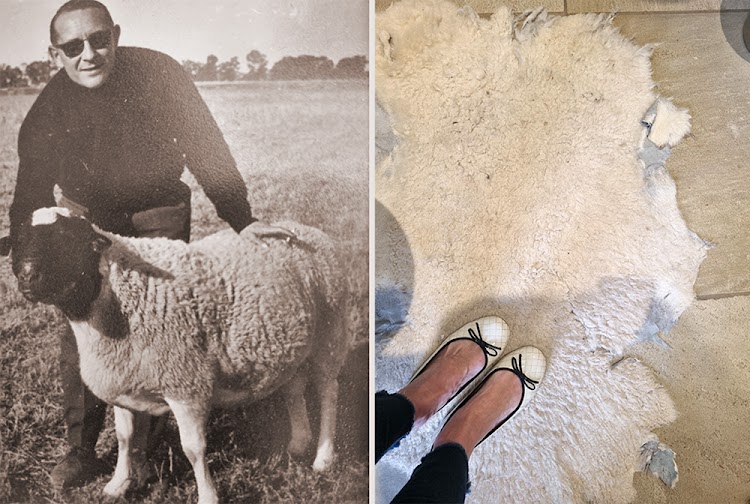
459,360
452,368
507,388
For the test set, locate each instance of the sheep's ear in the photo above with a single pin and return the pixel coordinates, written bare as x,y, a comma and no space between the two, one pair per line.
100,243
5,246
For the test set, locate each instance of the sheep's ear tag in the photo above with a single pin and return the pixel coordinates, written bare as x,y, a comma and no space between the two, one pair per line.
100,243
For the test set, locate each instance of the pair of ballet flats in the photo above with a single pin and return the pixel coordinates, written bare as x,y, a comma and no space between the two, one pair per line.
491,334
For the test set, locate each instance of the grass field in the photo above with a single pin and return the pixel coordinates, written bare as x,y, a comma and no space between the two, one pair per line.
302,148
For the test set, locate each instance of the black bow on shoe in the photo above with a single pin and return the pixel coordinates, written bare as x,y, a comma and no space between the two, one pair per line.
517,368
487,348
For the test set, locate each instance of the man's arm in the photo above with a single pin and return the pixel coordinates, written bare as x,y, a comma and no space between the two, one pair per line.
37,167
206,152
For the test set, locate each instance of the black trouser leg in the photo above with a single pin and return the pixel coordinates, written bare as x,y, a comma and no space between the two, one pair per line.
443,476
83,411
394,417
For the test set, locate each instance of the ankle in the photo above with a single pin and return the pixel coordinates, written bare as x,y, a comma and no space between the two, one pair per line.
422,410
453,367
496,399
466,444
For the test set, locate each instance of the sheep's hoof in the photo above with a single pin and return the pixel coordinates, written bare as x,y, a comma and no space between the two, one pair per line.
117,488
324,459
321,465
211,498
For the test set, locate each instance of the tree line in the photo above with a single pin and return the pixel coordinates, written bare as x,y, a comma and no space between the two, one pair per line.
287,68
35,73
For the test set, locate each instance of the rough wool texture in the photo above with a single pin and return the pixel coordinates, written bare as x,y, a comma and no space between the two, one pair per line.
516,189
227,313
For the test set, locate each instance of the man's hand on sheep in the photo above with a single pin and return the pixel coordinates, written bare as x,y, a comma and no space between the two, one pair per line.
261,231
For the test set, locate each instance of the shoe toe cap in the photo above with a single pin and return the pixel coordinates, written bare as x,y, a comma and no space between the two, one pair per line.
530,359
494,331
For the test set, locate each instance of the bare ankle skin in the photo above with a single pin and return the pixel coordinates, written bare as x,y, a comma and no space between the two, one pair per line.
449,370
498,398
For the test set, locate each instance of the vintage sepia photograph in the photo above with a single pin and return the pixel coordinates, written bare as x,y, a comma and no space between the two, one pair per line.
184,221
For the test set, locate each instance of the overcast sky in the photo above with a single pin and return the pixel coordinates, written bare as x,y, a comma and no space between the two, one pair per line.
193,29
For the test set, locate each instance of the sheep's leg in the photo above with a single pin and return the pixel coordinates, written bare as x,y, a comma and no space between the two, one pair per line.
191,422
328,388
327,362
132,430
294,395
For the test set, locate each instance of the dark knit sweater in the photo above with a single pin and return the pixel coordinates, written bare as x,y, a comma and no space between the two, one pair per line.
121,148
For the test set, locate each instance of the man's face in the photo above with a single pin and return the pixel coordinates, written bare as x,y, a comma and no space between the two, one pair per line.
85,46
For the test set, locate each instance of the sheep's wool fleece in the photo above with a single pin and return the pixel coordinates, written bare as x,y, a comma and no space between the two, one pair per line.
516,189
229,307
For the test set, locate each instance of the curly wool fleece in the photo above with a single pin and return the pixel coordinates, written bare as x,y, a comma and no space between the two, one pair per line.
227,313
517,190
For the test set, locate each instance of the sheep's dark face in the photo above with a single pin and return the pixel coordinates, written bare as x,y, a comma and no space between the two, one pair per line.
56,258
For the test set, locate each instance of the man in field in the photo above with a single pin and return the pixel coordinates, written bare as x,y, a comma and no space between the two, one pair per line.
114,130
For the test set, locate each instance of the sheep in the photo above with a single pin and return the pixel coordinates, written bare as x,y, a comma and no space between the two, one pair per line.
164,325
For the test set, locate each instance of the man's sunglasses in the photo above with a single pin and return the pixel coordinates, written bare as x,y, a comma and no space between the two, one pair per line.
98,40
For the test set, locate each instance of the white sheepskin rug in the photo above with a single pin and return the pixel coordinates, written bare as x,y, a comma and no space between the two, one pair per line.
527,180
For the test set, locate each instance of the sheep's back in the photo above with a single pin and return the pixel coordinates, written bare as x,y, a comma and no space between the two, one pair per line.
281,293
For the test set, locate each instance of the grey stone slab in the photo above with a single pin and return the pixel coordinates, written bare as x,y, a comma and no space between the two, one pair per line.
706,373
702,63
578,6
490,6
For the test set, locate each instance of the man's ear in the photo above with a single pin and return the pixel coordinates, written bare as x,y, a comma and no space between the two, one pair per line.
100,243
54,54
116,34
5,246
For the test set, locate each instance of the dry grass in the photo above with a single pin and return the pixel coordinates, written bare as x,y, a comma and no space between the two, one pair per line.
302,148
